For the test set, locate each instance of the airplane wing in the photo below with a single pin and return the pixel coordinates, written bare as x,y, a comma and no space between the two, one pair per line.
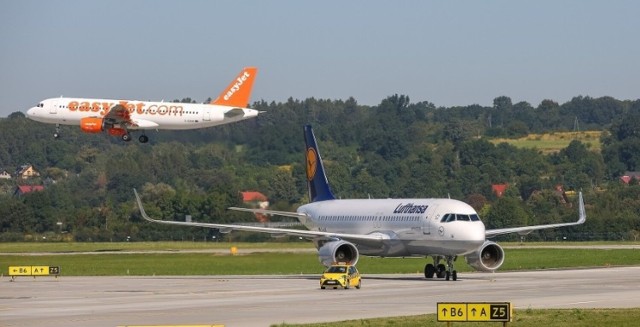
373,239
582,217
120,115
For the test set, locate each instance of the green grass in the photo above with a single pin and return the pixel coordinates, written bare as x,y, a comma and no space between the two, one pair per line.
521,318
63,247
276,263
554,142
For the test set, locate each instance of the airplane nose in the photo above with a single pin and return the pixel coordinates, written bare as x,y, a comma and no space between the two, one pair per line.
32,112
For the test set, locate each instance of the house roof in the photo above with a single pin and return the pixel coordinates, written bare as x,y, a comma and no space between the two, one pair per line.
499,189
250,196
29,188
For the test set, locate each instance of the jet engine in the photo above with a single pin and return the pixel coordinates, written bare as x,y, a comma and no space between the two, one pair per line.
338,251
92,124
488,257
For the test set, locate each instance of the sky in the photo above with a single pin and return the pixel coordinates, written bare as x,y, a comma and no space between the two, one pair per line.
450,53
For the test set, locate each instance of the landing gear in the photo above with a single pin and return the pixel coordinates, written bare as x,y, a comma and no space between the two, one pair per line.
439,270
143,138
56,134
126,137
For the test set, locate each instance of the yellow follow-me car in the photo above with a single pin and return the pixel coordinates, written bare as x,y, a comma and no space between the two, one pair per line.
341,275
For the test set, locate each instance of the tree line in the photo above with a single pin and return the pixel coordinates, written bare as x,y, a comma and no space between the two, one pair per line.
394,149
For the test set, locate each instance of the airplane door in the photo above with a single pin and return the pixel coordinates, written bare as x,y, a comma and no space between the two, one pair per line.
53,107
206,114
426,220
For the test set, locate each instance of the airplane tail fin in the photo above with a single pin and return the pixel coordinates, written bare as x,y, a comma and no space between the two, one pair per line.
238,93
317,182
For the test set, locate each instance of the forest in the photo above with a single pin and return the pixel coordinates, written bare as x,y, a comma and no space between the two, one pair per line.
394,149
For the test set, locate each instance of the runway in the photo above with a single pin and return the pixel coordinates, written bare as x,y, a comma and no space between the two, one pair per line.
266,300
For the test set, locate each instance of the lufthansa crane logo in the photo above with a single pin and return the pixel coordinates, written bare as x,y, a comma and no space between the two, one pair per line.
312,161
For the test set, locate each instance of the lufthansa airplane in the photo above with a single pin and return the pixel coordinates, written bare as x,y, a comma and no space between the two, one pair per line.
119,117
443,229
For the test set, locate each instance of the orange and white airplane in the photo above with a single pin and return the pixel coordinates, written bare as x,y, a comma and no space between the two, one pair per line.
119,117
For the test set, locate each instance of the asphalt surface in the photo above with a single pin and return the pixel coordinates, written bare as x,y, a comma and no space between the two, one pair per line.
266,300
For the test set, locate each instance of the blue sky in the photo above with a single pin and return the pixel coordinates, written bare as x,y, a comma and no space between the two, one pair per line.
446,52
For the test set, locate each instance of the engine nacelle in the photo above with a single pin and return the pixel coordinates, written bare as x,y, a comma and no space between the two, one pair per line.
92,125
488,257
338,251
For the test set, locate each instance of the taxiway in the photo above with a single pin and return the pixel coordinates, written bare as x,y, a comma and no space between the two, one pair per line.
266,300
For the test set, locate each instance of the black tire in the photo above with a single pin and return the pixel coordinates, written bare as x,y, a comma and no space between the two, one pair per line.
322,287
441,271
126,137
454,275
447,276
429,271
56,135
143,139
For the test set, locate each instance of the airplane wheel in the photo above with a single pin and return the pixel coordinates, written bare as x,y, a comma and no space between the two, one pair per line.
429,271
143,139
56,136
441,271
454,275
126,137
447,276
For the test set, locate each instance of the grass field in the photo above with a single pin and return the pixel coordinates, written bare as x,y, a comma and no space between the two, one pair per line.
109,259
554,142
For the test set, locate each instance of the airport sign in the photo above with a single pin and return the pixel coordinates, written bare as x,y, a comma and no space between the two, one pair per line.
475,311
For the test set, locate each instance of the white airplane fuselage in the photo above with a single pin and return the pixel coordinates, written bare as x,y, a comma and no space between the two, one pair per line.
409,227
146,114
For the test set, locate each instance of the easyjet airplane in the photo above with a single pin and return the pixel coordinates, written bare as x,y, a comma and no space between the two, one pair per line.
120,117
443,229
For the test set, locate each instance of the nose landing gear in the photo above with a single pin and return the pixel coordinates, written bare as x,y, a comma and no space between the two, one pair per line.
440,270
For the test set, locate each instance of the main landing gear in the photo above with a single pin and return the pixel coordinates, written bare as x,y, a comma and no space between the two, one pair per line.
56,134
127,137
439,270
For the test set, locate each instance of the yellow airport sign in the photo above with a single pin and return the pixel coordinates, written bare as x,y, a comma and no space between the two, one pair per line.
475,311
40,270
19,270
33,271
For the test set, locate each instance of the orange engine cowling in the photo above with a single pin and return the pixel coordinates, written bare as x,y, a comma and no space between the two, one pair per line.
91,124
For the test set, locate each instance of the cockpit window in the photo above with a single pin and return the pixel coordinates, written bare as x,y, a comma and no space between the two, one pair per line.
41,105
463,217
447,218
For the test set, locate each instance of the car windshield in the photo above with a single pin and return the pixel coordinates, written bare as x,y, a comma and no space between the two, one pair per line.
336,270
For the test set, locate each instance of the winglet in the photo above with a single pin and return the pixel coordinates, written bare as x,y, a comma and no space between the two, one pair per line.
582,214
142,212
238,93
317,182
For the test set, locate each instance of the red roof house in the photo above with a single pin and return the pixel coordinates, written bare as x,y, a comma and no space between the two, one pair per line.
24,189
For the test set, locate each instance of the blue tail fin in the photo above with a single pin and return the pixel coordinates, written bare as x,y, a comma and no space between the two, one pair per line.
317,183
